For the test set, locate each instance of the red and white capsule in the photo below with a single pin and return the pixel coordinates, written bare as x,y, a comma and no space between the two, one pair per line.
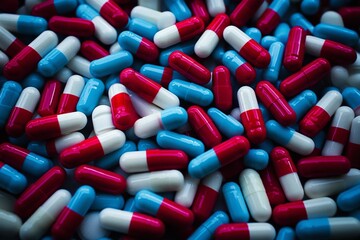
287,174
55,146
245,231
353,146
23,111
338,134
10,44
212,35
70,96
153,160
250,115
247,47
55,125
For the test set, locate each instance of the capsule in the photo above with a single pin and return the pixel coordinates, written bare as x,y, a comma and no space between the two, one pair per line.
235,202
328,228
335,33
272,186
246,231
212,35
350,16
323,166
30,56
143,28
251,116
23,24
244,11
38,192
49,98
335,52
318,116
157,181
102,120
9,94
92,148
111,12
349,200
72,215
167,119
80,65
70,96
207,191
226,124
207,229
90,96
353,146
255,195
179,8
110,64
42,219
10,225
153,160
48,9
295,49
276,51
122,110
142,107
189,67
11,180
221,88
147,89
160,74
271,18
244,73
160,19
141,47
305,78
179,32
351,96
275,102
297,19
323,187
247,47
338,134
191,92
10,44
103,30
199,9
166,210
186,195
302,103
71,26
131,223
92,50
23,160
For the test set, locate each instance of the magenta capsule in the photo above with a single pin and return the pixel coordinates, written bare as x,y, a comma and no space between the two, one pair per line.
153,160
245,231
272,186
92,148
70,96
203,126
206,196
91,50
247,47
287,174
23,111
54,126
38,192
27,59
250,115
275,102
111,12
353,146
199,9
179,32
122,110
189,67
100,179
221,88
335,52
72,26
305,78
295,49
148,89
318,116
244,11
10,44
323,166
49,98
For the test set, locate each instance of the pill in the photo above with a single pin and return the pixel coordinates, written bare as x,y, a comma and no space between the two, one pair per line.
70,96
272,16
207,229
245,231
71,26
161,19
56,7
10,44
244,73
221,88
179,8
24,24
186,195
11,180
295,49
244,11
235,202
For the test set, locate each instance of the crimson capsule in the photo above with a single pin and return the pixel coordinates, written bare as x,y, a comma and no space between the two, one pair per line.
272,186
77,27
295,49
91,50
203,126
199,9
222,89
49,98
244,11
275,102
323,166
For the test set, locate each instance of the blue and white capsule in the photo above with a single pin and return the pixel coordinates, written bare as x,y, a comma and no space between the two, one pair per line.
191,92
9,95
302,103
289,138
257,159
103,201
226,124
57,58
11,180
276,51
23,24
90,96
235,202
336,33
207,229
143,28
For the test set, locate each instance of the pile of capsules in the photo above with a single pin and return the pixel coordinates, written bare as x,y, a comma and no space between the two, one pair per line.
179,119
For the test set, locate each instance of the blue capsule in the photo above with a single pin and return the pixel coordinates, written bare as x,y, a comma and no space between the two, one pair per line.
257,159
82,200
297,19
281,32
9,95
33,80
172,140
179,9
31,25
235,202
112,63
207,229
191,92
266,41
143,28
84,11
302,103
285,233
11,180
65,6
351,96
310,7
226,124
185,47
254,33
103,201
276,51
336,33
112,159
90,96
349,200
145,144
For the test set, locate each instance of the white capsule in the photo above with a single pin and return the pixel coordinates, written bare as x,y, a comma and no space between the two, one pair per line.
215,7
339,77
10,225
7,201
80,66
67,141
320,207
152,4
91,229
102,120
185,196
161,19
292,187
142,107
